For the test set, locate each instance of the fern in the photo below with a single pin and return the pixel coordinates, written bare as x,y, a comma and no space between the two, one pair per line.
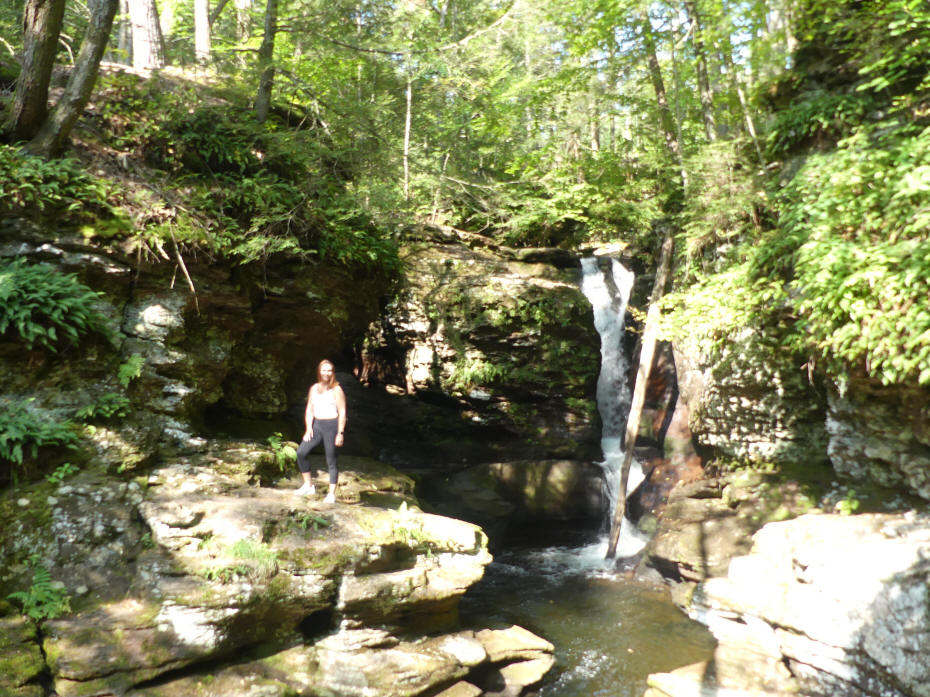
45,599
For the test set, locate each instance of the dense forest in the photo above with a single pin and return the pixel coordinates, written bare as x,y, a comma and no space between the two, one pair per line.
785,143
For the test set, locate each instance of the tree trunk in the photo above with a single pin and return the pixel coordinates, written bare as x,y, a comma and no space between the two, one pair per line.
646,354
41,26
57,127
407,120
666,120
202,42
243,20
700,66
266,62
124,35
148,45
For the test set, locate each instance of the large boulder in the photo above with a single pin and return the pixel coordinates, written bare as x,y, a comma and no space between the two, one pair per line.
748,402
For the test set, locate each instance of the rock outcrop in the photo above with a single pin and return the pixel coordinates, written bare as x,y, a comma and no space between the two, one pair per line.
511,341
197,574
824,605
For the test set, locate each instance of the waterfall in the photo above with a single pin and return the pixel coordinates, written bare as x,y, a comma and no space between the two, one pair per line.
607,287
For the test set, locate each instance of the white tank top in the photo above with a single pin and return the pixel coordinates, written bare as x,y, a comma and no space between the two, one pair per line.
324,403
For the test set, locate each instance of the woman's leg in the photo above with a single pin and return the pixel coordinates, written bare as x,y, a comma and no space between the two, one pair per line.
329,428
303,461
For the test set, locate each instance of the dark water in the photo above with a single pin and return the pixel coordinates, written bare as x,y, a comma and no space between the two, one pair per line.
609,633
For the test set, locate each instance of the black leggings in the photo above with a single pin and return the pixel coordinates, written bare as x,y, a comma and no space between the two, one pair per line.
324,430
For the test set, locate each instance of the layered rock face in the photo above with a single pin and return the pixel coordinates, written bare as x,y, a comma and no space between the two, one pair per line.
881,433
190,565
751,404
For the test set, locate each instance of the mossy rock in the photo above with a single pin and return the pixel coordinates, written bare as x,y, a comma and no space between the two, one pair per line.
21,661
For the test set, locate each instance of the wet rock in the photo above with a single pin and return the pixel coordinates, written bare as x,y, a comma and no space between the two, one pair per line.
519,659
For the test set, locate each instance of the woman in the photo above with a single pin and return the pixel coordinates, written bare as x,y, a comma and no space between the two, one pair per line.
326,422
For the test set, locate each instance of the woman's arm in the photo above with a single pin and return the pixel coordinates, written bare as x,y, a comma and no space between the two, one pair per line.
341,407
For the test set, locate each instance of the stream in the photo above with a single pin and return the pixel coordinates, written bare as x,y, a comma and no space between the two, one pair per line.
609,632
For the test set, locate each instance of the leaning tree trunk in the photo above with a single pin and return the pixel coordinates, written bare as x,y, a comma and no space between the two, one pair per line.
41,26
266,63
148,46
666,119
58,125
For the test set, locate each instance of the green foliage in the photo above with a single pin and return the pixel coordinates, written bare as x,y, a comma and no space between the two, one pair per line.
308,519
283,453
251,190
57,189
470,372
724,204
821,117
130,369
45,307
855,224
23,430
44,599
849,504
61,473
106,407
247,558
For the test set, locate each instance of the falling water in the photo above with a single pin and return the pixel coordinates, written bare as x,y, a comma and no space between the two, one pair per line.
607,286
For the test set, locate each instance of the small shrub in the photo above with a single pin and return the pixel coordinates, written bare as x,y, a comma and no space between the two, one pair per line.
106,407
61,473
130,370
45,307
50,187
283,454
23,431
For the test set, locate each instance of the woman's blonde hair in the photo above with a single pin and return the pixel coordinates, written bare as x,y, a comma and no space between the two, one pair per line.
319,372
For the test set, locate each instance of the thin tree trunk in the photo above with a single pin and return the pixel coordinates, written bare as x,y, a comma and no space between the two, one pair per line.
666,120
42,21
407,120
646,355
747,115
266,62
243,19
700,65
148,45
124,35
202,41
70,106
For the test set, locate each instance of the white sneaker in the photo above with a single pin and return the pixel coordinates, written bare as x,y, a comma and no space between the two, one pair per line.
330,498
306,490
